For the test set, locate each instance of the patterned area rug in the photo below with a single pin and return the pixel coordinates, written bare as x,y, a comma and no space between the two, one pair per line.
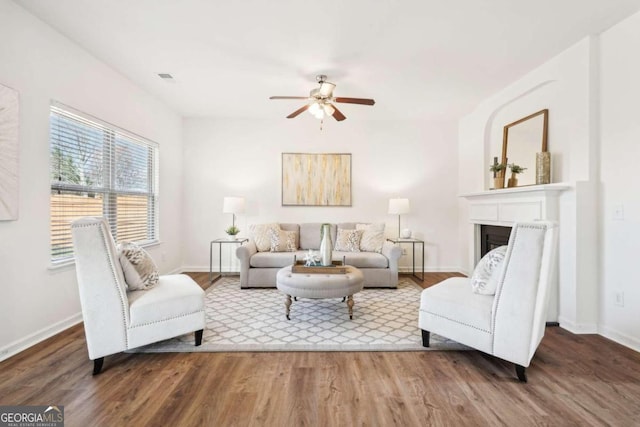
254,320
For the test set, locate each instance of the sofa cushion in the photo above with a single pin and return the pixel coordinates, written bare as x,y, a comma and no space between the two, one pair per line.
310,235
348,240
140,272
362,259
274,259
488,266
292,227
260,234
454,299
283,241
372,237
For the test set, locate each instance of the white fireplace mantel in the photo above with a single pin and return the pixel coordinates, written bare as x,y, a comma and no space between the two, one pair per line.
506,206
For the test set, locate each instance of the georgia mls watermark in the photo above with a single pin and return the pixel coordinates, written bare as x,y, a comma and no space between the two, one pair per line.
31,416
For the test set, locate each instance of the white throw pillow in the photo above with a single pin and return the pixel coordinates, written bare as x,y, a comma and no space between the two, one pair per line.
488,266
372,237
348,240
261,235
140,272
283,241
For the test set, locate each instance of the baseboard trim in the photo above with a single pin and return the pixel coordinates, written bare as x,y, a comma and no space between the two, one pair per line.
577,328
196,269
30,340
621,338
405,269
178,270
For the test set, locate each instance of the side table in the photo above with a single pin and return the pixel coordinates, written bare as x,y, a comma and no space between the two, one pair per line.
220,242
400,241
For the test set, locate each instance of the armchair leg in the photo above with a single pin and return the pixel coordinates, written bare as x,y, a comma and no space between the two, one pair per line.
425,338
199,337
97,365
520,372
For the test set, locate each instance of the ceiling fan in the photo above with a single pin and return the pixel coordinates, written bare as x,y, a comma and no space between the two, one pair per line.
322,102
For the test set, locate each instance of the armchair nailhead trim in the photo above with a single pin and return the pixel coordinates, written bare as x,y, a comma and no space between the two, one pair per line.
164,320
123,306
506,259
456,321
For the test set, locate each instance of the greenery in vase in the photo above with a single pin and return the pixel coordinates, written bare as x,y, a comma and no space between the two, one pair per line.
497,167
233,230
516,169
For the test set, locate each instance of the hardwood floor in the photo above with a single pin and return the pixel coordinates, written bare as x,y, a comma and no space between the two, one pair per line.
573,380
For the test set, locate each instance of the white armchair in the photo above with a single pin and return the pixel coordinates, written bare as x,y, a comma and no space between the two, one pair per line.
511,323
116,319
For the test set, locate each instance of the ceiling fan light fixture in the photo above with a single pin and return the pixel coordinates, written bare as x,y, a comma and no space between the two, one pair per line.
313,108
316,110
321,101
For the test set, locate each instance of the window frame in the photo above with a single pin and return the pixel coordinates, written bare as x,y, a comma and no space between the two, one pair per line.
109,188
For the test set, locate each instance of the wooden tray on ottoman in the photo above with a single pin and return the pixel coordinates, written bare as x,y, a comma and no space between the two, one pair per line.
338,267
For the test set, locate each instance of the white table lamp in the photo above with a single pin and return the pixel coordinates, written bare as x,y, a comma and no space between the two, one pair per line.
233,205
399,207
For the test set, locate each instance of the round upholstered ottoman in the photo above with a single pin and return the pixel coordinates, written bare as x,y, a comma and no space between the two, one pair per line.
303,285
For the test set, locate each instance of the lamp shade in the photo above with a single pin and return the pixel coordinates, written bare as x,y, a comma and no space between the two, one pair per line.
399,206
233,205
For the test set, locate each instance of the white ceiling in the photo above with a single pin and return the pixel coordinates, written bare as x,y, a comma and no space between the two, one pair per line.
419,59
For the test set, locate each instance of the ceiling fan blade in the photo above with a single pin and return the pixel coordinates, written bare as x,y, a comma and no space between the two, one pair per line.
288,97
337,114
298,111
362,101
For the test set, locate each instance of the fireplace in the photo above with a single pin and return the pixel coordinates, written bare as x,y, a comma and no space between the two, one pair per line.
493,236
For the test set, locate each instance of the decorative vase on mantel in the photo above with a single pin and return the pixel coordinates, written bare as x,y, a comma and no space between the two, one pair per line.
543,168
326,246
513,181
498,181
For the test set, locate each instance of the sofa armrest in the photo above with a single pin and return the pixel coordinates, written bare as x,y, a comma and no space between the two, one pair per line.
393,253
244,254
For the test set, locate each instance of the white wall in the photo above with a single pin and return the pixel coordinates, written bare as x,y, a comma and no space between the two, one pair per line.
620,186
411,159
42,65
564,85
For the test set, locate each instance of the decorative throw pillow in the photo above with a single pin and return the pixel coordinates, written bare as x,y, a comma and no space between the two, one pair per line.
348,240
140,272
489,265
260,234
283,241
372,237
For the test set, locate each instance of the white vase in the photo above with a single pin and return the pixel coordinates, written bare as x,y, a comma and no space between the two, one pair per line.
326,245
405,233
232,236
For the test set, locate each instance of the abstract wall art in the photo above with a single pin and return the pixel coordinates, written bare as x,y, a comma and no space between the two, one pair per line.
8,154
316,179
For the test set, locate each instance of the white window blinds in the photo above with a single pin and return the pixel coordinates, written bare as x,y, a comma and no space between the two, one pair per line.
98,169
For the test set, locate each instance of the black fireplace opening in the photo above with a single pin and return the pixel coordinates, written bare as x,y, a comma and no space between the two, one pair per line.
493,236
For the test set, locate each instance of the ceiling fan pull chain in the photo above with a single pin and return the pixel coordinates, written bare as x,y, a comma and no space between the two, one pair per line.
321,123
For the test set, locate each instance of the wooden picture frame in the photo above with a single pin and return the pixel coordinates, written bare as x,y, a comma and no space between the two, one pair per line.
312,179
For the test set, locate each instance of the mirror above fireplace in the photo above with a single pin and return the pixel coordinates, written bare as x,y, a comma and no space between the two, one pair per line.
521,141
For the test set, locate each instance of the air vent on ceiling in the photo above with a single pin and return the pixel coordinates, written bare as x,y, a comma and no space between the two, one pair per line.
165,76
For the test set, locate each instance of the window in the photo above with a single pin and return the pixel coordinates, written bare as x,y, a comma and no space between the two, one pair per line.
98,169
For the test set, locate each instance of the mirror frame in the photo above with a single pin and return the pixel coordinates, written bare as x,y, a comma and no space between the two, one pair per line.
505,132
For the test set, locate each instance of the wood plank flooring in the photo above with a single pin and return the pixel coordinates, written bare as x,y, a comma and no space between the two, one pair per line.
573,380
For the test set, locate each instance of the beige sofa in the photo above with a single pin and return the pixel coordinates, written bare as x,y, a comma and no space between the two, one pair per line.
259,269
